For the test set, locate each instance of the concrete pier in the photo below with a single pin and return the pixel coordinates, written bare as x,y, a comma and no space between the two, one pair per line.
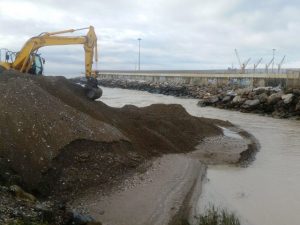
285,79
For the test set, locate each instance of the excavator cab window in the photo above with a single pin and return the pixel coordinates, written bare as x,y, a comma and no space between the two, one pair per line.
37,65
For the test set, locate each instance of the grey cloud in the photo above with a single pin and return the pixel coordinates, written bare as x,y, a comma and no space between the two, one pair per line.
177,34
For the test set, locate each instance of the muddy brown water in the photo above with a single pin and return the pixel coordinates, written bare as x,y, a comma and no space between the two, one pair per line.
267,192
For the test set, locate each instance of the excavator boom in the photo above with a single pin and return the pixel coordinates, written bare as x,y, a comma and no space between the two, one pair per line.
27,60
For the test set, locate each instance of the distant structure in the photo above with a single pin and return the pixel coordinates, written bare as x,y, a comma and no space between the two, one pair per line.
242,65
273,59
280,64
257,64
269,64
272,62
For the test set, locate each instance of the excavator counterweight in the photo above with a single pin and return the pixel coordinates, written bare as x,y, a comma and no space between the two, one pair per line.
27,60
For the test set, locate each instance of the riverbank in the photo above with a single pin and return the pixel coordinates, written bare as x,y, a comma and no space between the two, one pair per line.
169,189
267,101
57,146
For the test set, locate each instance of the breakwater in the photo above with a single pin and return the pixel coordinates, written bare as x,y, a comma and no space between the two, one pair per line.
275,101
289,78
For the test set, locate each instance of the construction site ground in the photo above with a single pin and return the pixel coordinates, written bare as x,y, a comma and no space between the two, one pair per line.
61,147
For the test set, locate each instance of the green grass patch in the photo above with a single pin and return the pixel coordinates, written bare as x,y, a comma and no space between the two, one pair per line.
214,216
217,216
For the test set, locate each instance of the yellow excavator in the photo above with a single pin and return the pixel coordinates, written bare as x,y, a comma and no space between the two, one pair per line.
27,60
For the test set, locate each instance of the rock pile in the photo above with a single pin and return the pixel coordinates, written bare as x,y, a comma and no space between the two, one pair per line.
152,87
15,209
263,100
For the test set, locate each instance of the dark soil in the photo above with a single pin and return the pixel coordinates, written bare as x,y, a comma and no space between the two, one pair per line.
60,143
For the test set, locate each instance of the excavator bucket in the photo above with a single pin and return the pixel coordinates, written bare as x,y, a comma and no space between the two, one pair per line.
92,90
94,93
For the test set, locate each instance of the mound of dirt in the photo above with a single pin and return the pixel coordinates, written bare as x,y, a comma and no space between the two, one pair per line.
59,142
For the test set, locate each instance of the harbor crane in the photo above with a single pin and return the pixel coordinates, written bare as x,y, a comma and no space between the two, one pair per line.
257,64
280,64
242,65
269,64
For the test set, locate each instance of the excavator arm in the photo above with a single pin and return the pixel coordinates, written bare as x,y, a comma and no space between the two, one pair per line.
25,58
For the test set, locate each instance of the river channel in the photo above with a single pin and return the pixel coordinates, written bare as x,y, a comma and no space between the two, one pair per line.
267,192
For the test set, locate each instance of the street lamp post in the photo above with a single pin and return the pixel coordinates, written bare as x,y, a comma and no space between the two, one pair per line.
139,39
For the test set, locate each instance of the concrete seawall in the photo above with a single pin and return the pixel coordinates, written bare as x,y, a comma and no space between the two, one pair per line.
288,79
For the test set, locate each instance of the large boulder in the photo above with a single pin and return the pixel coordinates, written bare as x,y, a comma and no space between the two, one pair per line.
244,91
201,103
261,90
274,98
250,104
238,99
251,95
214,99
263,97
226,99
297,108
288,98
231,93
208,99
296,92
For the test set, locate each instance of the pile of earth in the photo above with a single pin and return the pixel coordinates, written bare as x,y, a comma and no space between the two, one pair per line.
56,143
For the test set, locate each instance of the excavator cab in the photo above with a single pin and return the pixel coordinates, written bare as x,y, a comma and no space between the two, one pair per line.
37,64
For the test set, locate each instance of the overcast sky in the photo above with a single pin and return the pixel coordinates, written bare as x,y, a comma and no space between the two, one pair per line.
176,34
